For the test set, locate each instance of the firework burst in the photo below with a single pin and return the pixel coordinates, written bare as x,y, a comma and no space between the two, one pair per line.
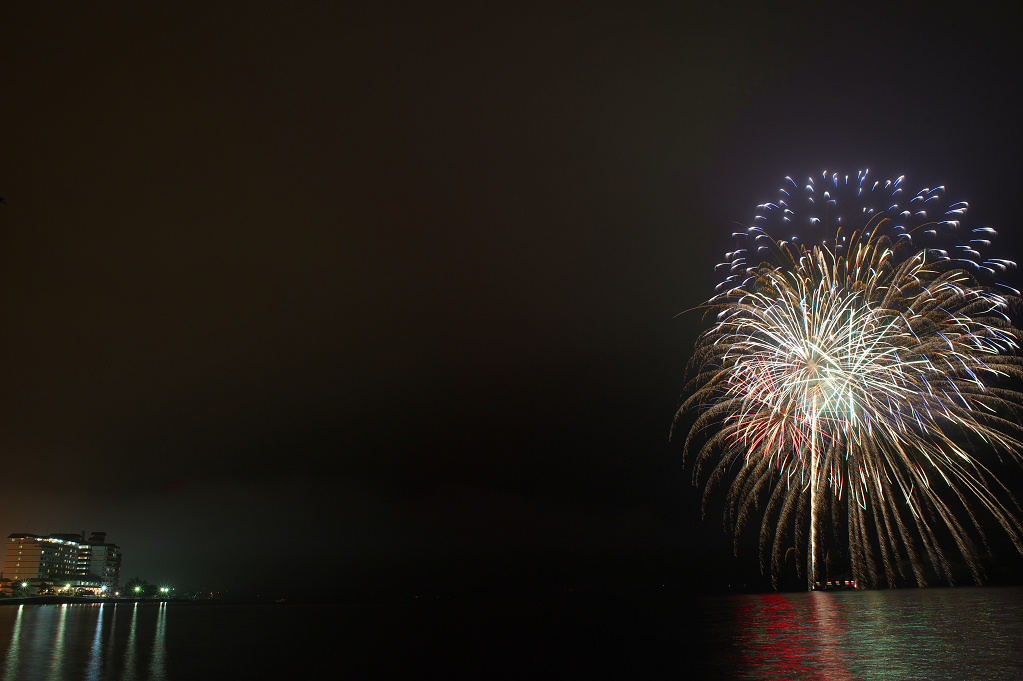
854,380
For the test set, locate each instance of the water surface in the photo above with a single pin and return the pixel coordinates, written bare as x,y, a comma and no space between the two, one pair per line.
962,633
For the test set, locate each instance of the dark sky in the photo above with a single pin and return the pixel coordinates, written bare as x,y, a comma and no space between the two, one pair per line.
398,283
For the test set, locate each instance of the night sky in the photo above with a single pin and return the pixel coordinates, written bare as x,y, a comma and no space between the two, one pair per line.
395,286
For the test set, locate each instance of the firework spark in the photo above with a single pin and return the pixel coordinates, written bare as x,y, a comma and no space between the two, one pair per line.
853,373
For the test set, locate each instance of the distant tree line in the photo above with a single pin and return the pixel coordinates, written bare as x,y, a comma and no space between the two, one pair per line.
139,588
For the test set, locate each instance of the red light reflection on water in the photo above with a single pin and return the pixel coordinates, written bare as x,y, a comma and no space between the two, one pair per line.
790,636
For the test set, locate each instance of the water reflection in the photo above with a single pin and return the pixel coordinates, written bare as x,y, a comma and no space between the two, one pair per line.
909,634
156,668
830,623
95,653
57,656
82,641
113,632
129,652
11,663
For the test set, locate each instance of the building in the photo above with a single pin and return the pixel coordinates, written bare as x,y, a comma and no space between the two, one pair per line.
104,561
64,561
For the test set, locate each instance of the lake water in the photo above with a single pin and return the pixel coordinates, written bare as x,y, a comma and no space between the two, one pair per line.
963,633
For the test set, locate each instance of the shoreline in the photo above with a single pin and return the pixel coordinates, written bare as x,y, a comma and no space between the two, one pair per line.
81,600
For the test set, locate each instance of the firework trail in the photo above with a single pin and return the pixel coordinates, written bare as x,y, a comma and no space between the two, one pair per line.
855,370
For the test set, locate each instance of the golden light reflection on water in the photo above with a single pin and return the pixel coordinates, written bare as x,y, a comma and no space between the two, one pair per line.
830,623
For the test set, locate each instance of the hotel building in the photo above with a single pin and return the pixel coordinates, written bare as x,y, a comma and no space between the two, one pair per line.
64,560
